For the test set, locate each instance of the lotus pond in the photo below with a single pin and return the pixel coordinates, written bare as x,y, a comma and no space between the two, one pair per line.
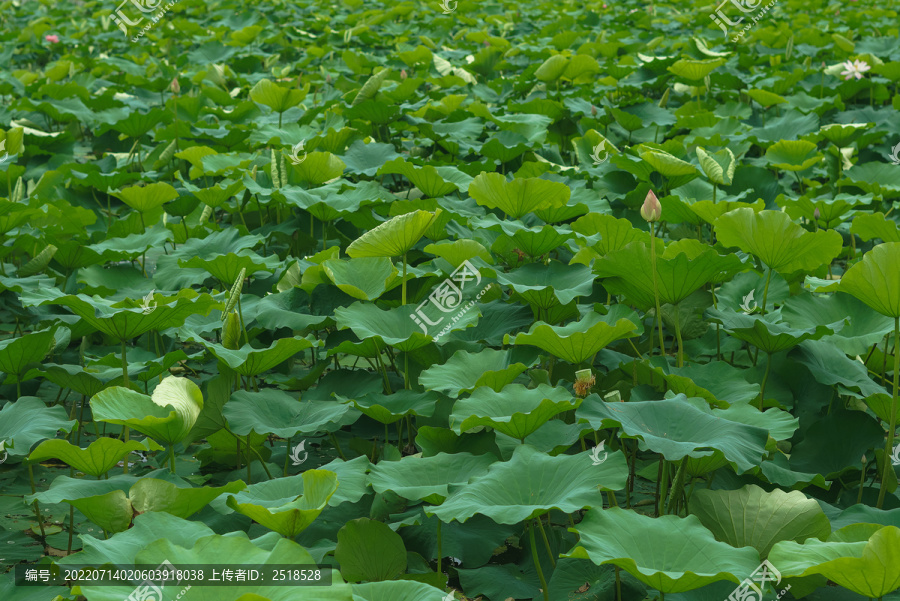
424,301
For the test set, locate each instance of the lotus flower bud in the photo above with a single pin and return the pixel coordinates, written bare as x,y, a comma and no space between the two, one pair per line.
593,111
403,74
816,214
174,86
328,79
864,460
651,210
487,43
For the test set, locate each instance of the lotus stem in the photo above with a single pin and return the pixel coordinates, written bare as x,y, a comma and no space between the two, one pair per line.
403,285
537,564
249,460
766,291
287,454
664,489
762,390
37,509
439,546
678,336
662,345
889,445
546,540
337,445
677,485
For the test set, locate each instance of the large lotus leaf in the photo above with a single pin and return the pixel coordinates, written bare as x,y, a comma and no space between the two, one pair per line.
368,550
532,483
276,97
766,334
290,519
389,408
318,168
458,251
226,268
793,155
515,411
127,319
72,376
16,354
394,237
287,309
752,517
552,68
869,226
676,429
273,411
816,453
669,553
670,166
866,326
150,494
695,70
778,242
126,407
393,326
397,590
581,340
519,196
614,233
718,166
538,241
547,285
111,511
829,365
233,550
146,198
874,177
97,459
249,361
682,268
868,567
428,478
363,278
425,178
27,421
717,382
214,196
876,279
465,371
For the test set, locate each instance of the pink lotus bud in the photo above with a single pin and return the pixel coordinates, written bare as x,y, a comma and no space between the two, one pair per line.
816,214
328,79
593,111
651,210
174,86
53,39
403,74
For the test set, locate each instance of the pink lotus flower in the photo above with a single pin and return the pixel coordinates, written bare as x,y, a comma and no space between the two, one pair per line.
856,68
53,39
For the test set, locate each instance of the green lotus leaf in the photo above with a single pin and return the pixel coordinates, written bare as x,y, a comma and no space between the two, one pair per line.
27,421
670,166
249,361
465,371
290,519
226,268
831,210
874,177
793,155
547,285
371,87
766,98
19,353
111,511
426,178
515,410
428,478
395,326
780,243
718,166
519,196
676,429
682,268
875,225
614,233
369,550
458,251
752,517
394,237
816,452
865,328
363,278
581,340
767,334
397,590
843,134
275,97
98,458
214,196
668,553
152,415
869,567
538,241
876,279
316,169
709,211
531,484
146,198
717,382
389,408
286,310
552,68
695,70
276,412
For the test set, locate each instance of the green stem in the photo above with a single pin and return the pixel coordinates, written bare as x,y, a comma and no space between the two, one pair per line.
287,454
618,585
762,390
766,291
403,289
677,486
537,564
889,446
662,345
171,458
440,552
37,509
664,489
249,461
337,445
546,541
678,336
